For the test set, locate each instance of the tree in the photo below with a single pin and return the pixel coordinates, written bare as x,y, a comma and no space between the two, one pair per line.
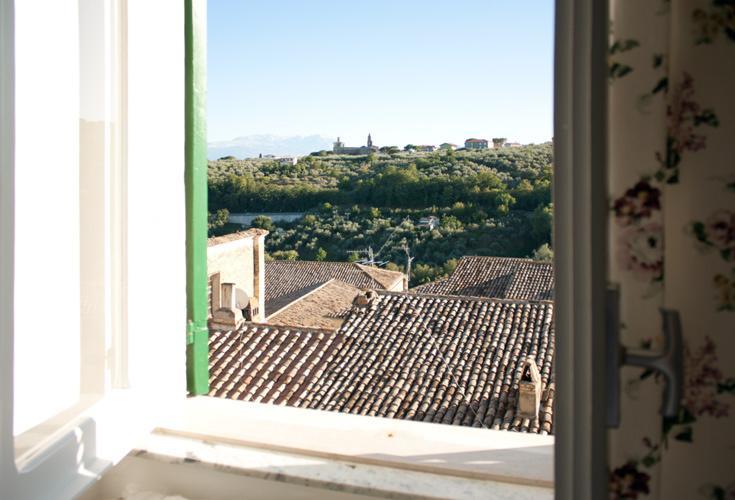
285,255
498,142
423,273
321,255
543,253
263,222
503,203
410,147
390,266
451,224
450,266
217,220
541,221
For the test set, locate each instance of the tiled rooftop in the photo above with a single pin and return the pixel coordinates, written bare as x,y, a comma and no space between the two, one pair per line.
322,307
498,277
453,360
287,280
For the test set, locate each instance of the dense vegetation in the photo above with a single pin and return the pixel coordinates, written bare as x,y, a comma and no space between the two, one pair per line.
492,202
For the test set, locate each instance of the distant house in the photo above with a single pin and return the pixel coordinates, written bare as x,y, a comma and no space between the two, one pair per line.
288,160
340,149
431,222
513,144
447,145
475,143
426,148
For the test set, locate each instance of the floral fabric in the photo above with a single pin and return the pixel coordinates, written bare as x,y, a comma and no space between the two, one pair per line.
672,239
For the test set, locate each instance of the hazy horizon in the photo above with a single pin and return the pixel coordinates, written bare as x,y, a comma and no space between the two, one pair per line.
407,72
250,146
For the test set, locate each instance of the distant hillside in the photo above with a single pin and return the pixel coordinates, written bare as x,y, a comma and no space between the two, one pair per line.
253,145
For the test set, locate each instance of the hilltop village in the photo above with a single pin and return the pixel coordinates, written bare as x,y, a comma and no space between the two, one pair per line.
412,211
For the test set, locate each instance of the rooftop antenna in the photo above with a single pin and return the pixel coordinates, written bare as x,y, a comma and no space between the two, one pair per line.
371,255
370,260
409,258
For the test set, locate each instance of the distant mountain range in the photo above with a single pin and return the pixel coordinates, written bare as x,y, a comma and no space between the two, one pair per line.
251,146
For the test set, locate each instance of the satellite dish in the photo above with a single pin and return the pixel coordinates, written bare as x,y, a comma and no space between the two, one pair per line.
242,298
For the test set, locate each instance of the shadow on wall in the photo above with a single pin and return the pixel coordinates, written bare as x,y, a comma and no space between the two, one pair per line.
70,460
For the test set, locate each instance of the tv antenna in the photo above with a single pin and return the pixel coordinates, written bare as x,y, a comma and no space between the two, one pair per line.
371,255
409,258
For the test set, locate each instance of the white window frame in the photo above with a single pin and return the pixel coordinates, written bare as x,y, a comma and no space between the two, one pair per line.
80,444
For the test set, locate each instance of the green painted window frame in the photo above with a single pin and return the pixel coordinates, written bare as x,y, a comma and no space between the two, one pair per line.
197,334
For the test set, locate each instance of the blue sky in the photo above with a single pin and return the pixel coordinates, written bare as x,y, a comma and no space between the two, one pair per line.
421,72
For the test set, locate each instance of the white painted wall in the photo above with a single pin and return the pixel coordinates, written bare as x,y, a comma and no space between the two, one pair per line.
47,346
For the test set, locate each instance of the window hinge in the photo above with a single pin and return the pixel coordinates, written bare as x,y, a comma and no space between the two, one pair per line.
192,330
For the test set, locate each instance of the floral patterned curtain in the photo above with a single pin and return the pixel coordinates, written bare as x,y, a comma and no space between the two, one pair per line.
672,234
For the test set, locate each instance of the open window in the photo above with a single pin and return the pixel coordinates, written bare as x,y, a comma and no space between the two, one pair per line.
92,332
130,355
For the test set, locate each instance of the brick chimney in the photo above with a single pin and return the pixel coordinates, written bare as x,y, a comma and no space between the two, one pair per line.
529,390
228,316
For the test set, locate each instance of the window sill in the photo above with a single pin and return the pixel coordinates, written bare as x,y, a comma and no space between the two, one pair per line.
353,453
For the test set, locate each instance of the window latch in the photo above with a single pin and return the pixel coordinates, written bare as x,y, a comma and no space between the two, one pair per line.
669,363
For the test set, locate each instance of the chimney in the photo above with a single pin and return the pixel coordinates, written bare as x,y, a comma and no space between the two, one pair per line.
529,390
228,316
258,308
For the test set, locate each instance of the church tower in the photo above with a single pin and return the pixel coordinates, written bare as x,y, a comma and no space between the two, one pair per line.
370,141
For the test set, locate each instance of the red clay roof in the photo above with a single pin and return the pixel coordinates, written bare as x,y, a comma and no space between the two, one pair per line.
452,360
287,280
322,307
499,277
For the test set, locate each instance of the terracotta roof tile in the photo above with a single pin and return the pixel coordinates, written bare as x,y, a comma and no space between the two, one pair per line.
287,280
499,277
453,360
323,307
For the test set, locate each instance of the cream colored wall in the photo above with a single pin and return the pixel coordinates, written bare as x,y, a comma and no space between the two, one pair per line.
234,261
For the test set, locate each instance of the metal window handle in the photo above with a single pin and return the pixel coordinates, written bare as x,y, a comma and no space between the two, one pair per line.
668,363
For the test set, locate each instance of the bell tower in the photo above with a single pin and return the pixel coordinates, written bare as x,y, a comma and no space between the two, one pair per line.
370,141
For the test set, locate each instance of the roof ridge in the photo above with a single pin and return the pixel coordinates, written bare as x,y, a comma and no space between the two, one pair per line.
238,235
468,298
524,259
287,327
363,268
